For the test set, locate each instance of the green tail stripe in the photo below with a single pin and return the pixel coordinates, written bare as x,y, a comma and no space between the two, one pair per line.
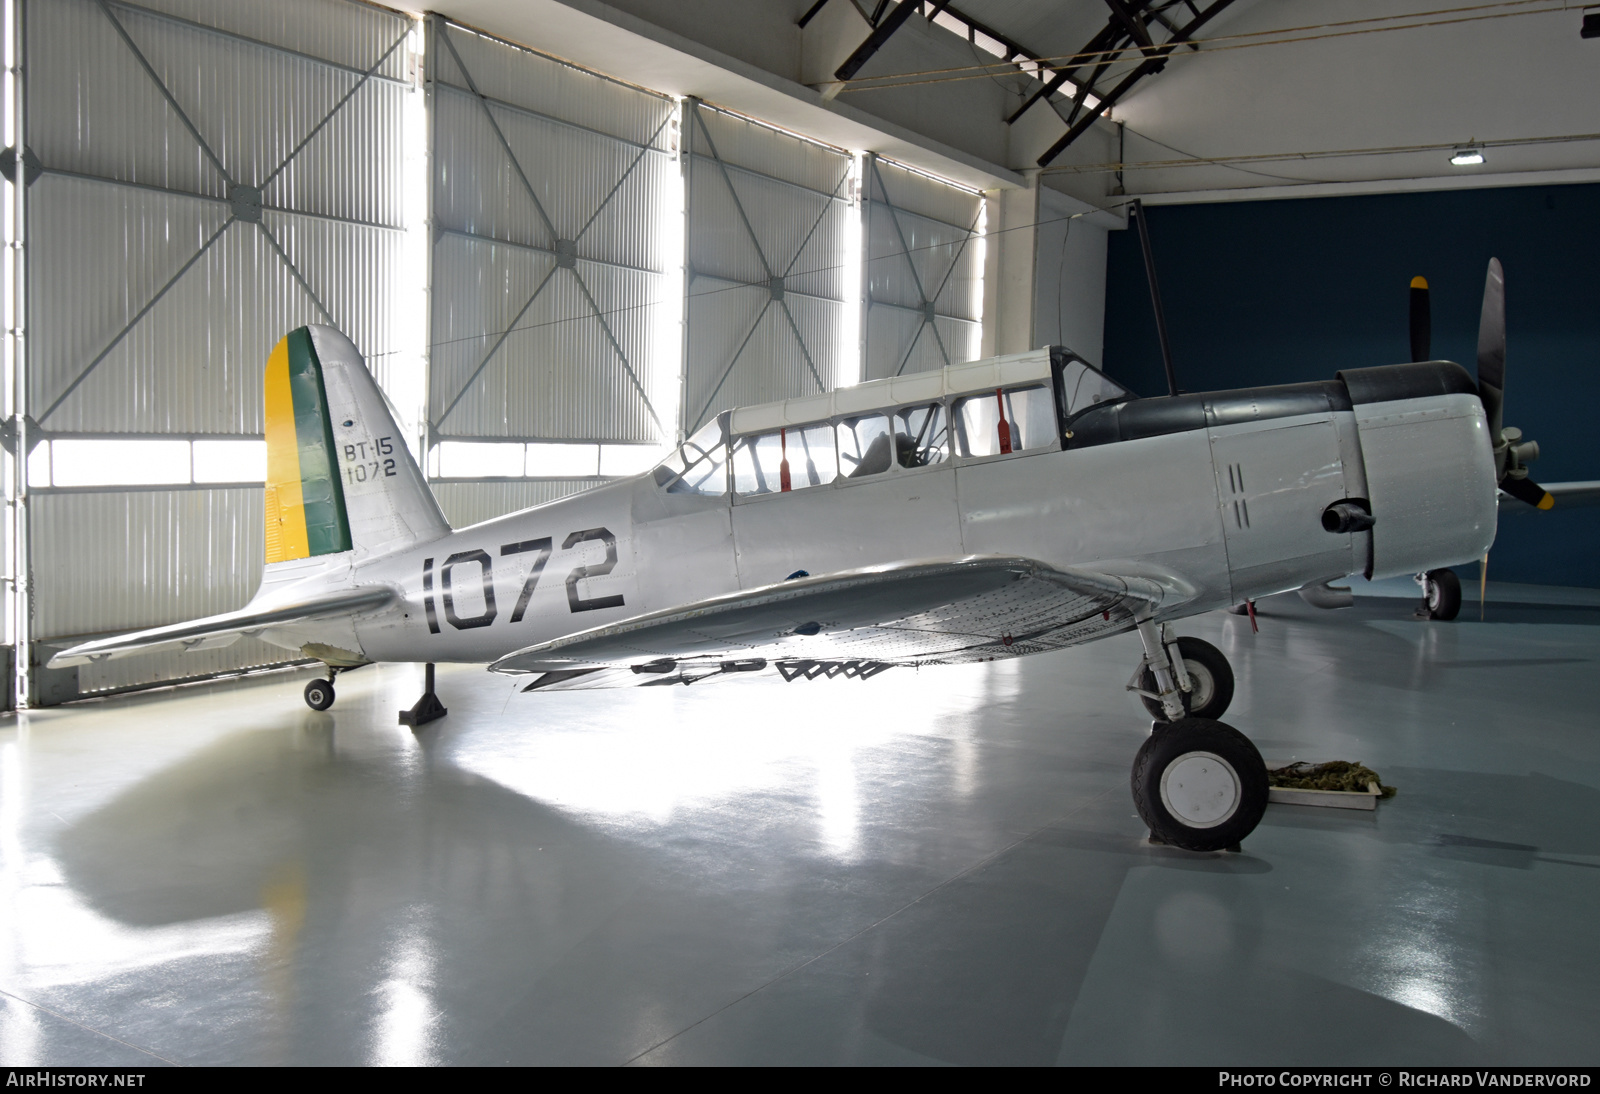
327,525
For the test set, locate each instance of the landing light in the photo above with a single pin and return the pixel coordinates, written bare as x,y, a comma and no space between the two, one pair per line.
1467,157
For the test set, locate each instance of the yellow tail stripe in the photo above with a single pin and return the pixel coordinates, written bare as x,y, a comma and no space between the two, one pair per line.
286,536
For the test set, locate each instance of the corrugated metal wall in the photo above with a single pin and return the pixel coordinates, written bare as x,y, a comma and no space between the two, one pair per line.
467,503
551,258
924,271
215,174
765,283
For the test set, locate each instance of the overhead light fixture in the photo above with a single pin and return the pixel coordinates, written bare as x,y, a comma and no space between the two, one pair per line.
1467,156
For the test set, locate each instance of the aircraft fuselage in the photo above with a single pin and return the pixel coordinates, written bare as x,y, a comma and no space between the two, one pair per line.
1222,493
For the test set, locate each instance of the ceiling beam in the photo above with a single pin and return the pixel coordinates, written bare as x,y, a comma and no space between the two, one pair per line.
1155,64
1100,49
881,33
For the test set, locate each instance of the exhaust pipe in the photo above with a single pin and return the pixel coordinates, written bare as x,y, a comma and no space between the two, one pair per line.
1347,516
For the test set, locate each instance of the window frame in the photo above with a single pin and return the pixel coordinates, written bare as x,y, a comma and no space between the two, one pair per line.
674,477
1055,444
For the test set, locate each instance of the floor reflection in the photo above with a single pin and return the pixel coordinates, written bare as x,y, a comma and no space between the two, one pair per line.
934,866
332,878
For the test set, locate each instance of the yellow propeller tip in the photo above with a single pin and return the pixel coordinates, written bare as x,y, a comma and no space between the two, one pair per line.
1547,502
1419,282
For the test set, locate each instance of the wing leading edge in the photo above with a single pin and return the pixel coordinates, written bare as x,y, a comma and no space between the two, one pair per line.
224,630
941,611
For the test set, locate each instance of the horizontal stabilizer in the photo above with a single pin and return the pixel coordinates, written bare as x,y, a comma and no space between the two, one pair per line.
223,630
921,612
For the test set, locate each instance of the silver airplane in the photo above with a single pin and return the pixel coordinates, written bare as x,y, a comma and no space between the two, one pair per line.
990,510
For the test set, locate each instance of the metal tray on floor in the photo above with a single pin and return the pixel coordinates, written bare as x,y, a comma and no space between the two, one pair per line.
1328,799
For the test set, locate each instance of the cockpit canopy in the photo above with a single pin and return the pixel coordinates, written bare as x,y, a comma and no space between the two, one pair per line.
981,409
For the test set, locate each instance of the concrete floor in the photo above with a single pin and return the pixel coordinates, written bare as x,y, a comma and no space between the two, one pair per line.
941,866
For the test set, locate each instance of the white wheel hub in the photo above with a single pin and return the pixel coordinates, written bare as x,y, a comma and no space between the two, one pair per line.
1202,685
1200,789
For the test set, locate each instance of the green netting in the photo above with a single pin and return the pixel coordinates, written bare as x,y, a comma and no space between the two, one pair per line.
1334,775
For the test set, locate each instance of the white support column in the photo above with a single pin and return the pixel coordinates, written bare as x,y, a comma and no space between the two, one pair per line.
687,113
1008,275
18,564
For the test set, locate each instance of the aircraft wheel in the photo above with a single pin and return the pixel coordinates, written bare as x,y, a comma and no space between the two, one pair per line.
1200,785
319,694
1210,681
1441,594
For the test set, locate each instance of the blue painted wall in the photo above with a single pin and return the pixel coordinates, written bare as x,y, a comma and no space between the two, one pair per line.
1275,292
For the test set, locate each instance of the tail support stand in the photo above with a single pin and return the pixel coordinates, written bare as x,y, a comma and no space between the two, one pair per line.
428,707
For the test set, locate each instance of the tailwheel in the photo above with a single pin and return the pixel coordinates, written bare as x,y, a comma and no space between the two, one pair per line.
1210,682
1441,595
1199,784
319,694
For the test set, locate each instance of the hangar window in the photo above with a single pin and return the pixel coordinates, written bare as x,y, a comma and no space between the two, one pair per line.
699,465
784,460
1028,421
71,462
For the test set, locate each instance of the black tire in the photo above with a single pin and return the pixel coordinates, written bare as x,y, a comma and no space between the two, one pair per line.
1212,679
319,694
1441,594
1200,785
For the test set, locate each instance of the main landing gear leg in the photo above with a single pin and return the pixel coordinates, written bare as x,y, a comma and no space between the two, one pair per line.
428,707
1198,783
1157,667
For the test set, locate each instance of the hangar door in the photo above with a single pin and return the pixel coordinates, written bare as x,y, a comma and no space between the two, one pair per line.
924,278
555,341
765,278
204,176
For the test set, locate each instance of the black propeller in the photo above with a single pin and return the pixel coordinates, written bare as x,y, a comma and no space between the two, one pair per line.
1511,453
1421,321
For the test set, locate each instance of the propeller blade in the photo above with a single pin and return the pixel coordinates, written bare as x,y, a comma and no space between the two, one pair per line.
1529,491
1492,348
1421,321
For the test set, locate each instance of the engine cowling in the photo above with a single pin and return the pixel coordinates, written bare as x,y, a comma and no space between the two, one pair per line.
1429,465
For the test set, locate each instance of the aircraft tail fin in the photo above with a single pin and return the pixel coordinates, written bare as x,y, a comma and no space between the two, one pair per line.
339,475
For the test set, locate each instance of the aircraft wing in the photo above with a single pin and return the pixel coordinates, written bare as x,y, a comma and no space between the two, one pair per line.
1567,495
224,630
939,611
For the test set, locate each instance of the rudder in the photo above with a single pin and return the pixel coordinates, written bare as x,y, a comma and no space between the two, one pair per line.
339,475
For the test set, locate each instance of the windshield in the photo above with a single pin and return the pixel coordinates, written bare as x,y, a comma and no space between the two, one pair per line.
1082,386
698,465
